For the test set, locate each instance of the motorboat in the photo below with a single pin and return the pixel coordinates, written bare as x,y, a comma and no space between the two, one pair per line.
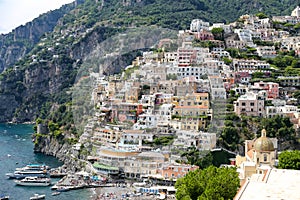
20,175
34,181
33,167
55,193
30,170
38,196
62,189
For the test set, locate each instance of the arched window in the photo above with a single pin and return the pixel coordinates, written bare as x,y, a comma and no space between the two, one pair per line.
265,158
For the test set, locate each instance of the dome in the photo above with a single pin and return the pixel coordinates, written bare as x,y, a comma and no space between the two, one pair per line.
263,143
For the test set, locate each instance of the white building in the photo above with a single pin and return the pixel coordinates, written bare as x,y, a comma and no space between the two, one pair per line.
250,65
198,24
296,12
200,140
132,139
226,28
217,87
266,51
282,111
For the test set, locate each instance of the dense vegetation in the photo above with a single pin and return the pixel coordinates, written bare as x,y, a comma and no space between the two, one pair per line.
238,129
210,183
169,13
289,160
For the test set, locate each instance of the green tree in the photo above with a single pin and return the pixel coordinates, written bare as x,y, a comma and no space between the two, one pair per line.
218,33
258,75
211,183
227,61
279,127
289,160
261,15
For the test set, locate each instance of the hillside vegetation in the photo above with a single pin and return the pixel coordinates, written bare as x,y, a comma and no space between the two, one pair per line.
40,82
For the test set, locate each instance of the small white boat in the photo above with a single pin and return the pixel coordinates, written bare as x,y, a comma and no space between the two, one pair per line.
4,197
55,193
62,189
38,196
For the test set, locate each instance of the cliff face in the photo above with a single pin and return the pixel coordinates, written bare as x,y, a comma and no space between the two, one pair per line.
63,151
16,44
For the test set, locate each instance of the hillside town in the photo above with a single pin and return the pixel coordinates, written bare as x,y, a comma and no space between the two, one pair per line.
174,98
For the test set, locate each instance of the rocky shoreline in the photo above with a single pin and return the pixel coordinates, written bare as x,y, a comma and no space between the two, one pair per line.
62,151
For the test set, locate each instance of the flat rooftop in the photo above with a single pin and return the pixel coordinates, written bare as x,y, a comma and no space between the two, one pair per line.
277,184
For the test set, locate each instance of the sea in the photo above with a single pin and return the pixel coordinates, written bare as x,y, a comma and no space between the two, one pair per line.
16,150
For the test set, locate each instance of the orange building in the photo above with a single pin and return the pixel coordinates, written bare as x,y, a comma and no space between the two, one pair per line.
174,171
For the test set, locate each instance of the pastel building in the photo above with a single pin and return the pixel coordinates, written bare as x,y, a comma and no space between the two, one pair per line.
176,170
260,155
271,88
250,104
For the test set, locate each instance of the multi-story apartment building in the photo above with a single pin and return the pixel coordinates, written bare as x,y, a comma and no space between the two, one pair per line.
266,51
200,140
283,111
289,81
250,104
122,111
131,139
250,65
198,24
217,89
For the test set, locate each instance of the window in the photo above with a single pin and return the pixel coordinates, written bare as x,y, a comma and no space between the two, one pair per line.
265,157
243,104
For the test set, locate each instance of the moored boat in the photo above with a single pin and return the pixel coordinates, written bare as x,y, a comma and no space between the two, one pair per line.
20,175
38,196
34,167
62,189
29,170
4,197
34,181
55,193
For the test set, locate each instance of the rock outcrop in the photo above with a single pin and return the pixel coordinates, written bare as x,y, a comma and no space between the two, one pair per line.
61,150
16,44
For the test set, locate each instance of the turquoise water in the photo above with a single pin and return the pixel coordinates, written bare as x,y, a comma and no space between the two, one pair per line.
16,150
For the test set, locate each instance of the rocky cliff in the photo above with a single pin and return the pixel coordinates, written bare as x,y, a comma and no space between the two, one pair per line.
62,150
16,44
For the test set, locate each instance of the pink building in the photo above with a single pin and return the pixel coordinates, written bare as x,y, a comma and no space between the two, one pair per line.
242,77
174,171
204,35
271,88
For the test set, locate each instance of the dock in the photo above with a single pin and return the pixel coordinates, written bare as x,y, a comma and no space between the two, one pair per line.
79,181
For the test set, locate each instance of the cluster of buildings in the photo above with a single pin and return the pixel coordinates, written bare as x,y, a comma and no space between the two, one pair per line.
176,95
